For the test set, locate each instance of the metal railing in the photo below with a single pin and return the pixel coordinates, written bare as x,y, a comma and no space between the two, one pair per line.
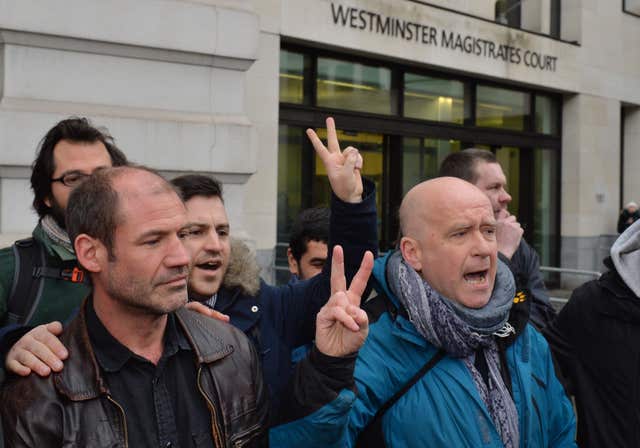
561,301
594,274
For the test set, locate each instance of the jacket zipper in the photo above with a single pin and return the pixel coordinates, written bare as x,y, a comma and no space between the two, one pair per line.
124,420
214,416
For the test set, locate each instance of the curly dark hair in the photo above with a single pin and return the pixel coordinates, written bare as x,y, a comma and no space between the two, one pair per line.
75,129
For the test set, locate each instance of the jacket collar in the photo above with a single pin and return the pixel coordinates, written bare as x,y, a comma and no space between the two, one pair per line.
243,272
112,355
245,310
200,332
81,379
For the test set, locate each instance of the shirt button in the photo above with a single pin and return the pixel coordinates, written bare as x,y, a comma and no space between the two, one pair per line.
254,308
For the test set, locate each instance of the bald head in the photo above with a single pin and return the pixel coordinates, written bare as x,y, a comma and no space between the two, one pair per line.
449,238
427,199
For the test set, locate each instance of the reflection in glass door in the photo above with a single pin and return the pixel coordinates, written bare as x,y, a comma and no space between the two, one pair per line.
421,159
545,230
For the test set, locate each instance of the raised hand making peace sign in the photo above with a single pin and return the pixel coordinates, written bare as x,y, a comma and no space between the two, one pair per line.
343,167
341,325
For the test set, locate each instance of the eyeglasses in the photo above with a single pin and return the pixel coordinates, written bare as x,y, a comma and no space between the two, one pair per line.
71,180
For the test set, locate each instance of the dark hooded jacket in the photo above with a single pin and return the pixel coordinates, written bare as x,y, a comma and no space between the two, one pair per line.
595,340
280,318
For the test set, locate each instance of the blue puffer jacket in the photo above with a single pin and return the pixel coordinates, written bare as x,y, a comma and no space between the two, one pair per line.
443,409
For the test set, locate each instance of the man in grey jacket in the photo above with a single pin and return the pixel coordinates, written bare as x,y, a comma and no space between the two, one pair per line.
481,168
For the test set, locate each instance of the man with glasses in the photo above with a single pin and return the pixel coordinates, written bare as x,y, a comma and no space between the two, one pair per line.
40,279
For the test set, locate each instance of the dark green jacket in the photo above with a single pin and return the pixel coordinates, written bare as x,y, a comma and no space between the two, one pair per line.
59,297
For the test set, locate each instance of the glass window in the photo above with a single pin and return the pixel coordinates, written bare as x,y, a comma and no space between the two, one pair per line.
292,67
501,108
290,179
436,99
421,159
508,12
291,188
547,112
347,85
371,148
545,231
554,25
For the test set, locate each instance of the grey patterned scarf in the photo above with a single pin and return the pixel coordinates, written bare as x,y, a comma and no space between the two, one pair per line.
56,233
461,331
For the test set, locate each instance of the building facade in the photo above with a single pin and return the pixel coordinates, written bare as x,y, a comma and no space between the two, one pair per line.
227,87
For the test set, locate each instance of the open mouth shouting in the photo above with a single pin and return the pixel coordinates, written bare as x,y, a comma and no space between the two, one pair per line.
209,265
476,277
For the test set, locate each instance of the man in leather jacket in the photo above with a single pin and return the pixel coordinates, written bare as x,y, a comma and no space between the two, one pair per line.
142,370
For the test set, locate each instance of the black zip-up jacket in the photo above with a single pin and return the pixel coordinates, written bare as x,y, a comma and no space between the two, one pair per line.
74,407
596,341
525,265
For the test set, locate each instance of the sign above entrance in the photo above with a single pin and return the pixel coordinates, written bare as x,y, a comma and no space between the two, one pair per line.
393,27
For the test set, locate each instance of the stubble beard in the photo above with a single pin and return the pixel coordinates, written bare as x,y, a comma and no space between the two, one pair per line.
57,213
139,295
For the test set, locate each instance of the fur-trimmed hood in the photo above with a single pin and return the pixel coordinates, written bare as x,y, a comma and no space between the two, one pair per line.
243,271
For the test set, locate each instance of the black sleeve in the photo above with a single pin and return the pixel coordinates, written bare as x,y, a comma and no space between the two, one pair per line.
9,335
318,379
622,219
355,228
525,263
559,336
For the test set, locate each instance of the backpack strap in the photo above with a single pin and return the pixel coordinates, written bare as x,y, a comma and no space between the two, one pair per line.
25,292
73,275
28,279
372,434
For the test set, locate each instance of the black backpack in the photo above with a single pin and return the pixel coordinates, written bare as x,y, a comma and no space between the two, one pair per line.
28,279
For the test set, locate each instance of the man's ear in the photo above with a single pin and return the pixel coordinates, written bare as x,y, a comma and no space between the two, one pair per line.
91,253
47,201
293,264
411,252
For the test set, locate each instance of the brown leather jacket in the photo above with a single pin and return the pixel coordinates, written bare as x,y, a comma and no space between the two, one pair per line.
73,408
